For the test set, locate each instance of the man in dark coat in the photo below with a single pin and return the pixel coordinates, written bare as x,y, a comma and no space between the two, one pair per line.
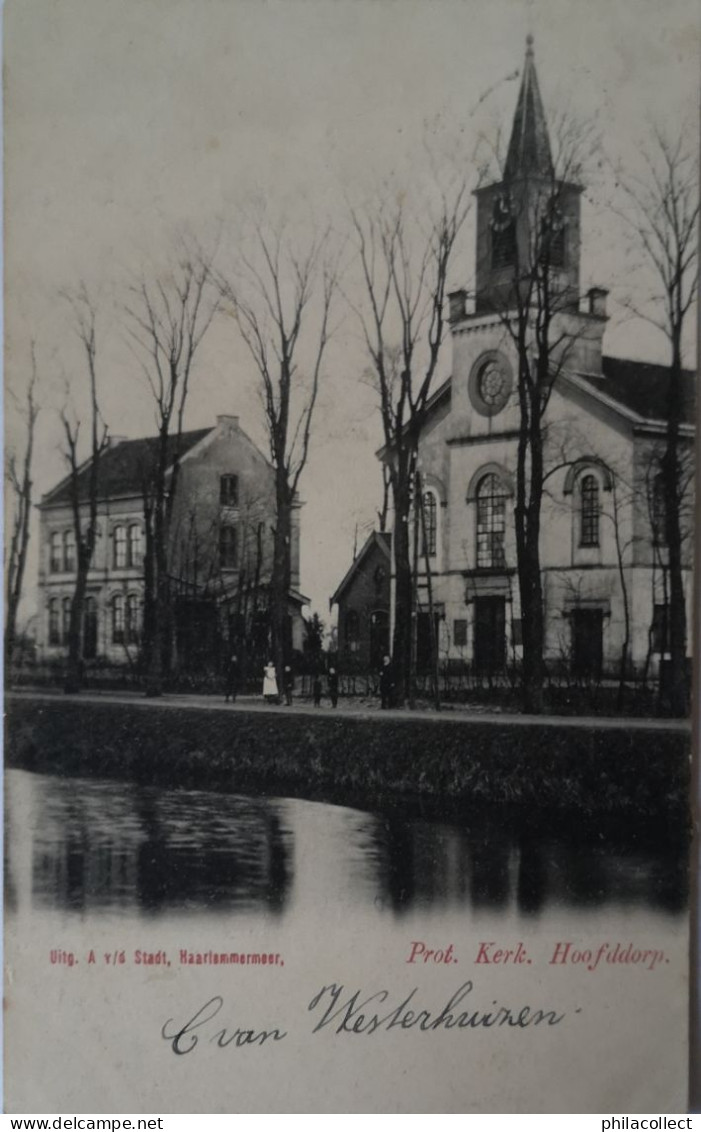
332,681
386,683
288,684
233,674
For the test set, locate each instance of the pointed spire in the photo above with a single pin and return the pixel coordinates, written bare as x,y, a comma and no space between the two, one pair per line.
529,148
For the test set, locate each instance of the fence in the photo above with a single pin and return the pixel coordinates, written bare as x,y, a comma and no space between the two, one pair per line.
459,685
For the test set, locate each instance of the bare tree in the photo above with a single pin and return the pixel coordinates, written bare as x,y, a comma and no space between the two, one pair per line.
662,207
83,482
168,317
274,298
404,269
19,476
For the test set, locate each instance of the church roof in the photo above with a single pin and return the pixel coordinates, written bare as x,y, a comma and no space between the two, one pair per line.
642,387
122,468
529,147
639,387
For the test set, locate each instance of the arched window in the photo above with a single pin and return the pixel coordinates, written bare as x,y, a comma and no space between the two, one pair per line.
119,544
552,236
228,547
90,628
54,622
66,619
56,553
135,548
430,524
69,551
491,522
503,226
118,619
589,511
131,627
659,512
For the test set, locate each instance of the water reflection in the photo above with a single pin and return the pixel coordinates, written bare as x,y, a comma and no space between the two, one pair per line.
85,845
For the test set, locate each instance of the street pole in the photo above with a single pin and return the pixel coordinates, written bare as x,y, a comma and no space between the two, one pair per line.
429,587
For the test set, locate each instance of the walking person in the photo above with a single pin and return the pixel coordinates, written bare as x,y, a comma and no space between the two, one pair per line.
332,681
270,691
386,683
232,679
288,684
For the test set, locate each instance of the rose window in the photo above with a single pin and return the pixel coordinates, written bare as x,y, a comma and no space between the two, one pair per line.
493,385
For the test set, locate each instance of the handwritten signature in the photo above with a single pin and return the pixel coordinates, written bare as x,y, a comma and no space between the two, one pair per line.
357,1013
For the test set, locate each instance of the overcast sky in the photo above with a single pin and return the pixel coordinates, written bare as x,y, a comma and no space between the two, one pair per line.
127,121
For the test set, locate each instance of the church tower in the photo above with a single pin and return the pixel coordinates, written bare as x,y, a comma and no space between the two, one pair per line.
530,213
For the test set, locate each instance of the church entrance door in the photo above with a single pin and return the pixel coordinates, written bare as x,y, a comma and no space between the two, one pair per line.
587,643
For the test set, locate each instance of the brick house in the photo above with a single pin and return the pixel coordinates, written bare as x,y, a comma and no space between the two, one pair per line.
363,600
220,552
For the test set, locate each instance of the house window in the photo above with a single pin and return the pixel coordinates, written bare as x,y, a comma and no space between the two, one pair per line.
135,545
54,622
589,512
229,491
69,551
660,629
131,627
659,512
352,629
56,553
227,547
66,619
430,517
118,619
90,628
491,522
119,543
379,578
460,634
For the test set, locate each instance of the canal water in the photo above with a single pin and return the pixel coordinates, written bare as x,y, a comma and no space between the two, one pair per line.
101,848
105,869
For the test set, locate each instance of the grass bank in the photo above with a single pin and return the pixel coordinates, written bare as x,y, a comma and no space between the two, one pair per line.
555,772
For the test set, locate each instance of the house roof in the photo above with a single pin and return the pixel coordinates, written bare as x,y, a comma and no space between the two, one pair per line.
642,387
381,539
122,468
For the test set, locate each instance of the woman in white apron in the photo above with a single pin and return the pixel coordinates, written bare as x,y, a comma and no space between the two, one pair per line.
270,693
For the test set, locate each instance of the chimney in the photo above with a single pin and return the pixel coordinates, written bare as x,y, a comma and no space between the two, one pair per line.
225,420
457,301
597,301
113,441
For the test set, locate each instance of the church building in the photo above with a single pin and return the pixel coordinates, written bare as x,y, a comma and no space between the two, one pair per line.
602,544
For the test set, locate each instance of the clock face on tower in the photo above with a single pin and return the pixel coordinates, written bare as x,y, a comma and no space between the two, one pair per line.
490,383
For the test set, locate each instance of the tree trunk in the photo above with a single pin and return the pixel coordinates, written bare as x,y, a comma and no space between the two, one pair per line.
74,671
671,477
159,611
401,644
281,574
529,490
